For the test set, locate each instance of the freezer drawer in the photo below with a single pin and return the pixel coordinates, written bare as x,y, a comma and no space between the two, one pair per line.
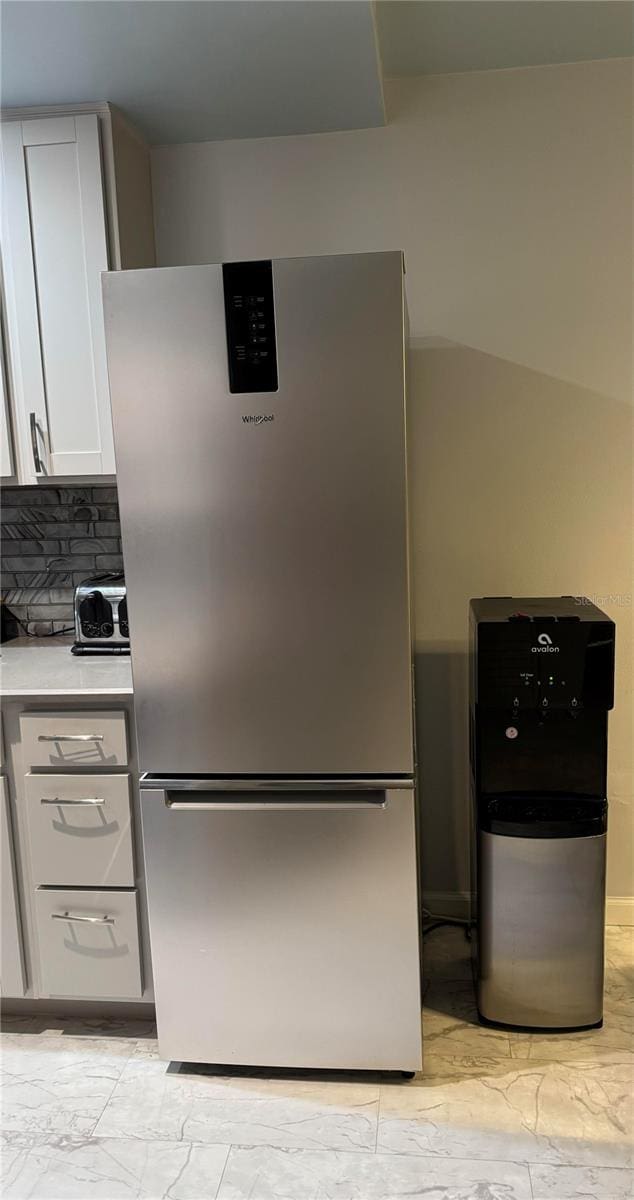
80,830
541,908
284,928
89,943
74,739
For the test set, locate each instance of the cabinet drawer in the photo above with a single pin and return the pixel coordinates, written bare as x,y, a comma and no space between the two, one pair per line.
80,830
74,739
89,943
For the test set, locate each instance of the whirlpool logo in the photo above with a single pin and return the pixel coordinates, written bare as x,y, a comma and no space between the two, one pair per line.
545,645
259,419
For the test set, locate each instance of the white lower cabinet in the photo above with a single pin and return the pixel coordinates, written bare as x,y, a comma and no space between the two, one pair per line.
89,943
12,975
78,880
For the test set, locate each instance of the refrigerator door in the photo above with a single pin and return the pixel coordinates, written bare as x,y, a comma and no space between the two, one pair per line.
284,927
266,561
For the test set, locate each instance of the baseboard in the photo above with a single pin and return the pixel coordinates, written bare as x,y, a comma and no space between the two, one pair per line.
619,909
126,1010
447,904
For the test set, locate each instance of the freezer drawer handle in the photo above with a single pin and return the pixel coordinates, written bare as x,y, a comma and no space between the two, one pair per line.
67,916
59,802
70,737
275,805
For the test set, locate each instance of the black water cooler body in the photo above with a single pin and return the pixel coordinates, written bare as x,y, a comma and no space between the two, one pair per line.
541,686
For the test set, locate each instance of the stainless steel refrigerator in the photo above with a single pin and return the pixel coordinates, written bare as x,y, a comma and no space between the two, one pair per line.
260,431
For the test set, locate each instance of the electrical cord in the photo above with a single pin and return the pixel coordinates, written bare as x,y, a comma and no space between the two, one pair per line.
53,633
439,921
430,916
441,925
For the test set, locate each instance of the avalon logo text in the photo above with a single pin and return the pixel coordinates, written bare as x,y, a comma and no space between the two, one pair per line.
257,419
545,645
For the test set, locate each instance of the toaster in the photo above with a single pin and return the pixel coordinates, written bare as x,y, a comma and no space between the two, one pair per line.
101,616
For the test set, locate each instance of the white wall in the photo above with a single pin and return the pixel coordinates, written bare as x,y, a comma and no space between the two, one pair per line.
510,192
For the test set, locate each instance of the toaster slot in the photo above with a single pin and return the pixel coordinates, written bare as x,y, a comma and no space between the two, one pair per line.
124,630
95,616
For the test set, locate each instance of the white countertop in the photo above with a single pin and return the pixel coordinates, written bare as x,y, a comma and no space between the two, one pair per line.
46,667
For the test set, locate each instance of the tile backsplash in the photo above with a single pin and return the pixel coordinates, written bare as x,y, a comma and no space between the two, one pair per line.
52,539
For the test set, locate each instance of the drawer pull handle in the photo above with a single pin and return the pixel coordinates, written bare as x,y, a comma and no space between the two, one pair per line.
70,737
66,916
58,801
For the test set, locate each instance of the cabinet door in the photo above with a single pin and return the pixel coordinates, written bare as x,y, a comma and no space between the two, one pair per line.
55,251
7,466
11,964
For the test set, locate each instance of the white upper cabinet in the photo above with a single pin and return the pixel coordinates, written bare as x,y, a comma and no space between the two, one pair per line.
7,463
57,250
63,224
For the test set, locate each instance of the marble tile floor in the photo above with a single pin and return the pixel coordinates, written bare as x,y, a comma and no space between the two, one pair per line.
90,1112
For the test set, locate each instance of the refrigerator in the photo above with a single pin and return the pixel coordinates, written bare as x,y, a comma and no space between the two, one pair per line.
259,412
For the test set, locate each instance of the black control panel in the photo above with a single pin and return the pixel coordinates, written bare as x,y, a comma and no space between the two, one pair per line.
541,686
250,320
545,665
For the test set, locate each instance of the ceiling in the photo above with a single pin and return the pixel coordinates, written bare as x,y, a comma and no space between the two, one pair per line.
433,37
188,71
